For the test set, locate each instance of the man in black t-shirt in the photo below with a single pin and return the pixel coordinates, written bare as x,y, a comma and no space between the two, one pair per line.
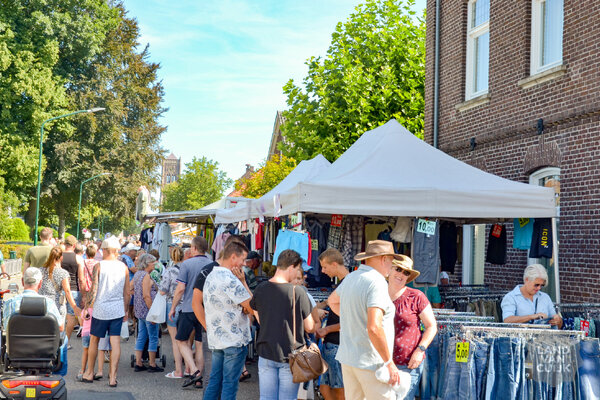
332,384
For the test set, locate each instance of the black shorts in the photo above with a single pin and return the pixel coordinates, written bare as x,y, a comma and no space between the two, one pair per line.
100,327
186,323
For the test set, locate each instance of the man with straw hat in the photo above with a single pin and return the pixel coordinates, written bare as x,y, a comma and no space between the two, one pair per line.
367,324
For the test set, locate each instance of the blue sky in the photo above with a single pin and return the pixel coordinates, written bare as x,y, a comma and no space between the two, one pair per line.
223,66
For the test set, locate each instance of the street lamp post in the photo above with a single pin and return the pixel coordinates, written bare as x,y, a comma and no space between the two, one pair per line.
80,193
39,183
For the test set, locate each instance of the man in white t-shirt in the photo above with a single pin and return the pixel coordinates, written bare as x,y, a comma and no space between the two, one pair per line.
226,299
367,324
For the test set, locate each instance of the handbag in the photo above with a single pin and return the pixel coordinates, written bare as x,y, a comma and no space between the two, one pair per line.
306,362
158,310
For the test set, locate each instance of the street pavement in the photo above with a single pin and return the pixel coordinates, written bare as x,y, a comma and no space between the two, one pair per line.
139,385
144,385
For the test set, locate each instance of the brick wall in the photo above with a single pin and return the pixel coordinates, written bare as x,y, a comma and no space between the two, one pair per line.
505,128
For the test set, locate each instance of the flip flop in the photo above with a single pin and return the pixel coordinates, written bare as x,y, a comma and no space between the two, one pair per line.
87,380
172,375
98,377
113,384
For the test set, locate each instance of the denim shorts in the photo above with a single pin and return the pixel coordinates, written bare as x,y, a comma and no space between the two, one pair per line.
76,298
333,376
85,341
100,327
172,322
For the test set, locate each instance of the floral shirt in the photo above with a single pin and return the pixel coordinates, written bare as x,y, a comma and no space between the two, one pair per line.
168,284
226,323
139,305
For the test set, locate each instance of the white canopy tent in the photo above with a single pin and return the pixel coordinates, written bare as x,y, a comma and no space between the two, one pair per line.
203,214
266,205
390,172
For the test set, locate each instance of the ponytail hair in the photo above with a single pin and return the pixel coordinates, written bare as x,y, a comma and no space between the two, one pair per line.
55,255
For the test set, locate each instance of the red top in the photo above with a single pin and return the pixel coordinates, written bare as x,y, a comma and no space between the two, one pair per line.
407,324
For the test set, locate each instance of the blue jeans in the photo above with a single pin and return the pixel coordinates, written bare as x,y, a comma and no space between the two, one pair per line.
505,370
275,381
480,362
588,355
415,378
431,370
457,375
227,366
147,332
443,359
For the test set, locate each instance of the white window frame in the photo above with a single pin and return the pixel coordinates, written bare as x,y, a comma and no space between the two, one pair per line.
537,36
472,35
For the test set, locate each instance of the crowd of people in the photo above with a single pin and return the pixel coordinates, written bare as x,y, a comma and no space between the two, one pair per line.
375,328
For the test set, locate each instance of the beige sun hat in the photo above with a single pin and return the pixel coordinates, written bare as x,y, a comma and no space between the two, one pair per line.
376,248
406,263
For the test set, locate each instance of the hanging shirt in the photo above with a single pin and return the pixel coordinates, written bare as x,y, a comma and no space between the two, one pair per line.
523,231
541,241
448,246
496,252
292,240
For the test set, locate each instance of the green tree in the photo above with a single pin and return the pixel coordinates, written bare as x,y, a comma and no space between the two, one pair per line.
200,184
374,71
124,140
267,177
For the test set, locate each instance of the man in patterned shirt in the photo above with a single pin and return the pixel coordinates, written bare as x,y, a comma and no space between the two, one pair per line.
226,303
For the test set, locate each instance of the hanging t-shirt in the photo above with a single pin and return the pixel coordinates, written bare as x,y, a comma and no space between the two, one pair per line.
496,252
291,240
523,230
426,255
448,246
541,241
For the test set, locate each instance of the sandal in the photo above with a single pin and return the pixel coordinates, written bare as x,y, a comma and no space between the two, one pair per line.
172,375
98,377
196,376
245,376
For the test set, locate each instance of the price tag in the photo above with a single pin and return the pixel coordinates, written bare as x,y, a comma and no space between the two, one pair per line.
314,243
497,230
462,352
426,227
29,392
523,222
336,220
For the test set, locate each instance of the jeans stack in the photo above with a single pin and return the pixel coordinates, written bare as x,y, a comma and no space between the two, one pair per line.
520,368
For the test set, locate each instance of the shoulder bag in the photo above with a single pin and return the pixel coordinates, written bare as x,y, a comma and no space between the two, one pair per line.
306,362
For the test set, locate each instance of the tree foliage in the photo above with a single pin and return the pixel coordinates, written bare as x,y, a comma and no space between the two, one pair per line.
374,71
267,177
200,184
58,56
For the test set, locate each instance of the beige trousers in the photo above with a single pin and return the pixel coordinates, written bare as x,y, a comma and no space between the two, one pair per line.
361,384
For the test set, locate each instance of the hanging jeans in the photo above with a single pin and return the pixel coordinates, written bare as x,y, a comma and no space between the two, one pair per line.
431,370
504,379
458,375
480,361
588,352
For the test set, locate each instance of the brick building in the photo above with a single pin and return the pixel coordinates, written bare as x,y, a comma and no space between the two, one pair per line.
519,97
171,169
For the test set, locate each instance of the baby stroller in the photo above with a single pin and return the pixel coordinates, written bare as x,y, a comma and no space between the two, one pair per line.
145,356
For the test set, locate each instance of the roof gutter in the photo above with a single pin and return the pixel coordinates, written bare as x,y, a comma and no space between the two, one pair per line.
436,76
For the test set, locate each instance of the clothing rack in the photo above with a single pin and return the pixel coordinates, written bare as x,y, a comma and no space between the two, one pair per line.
467,296
529,330
453,313
577,305
469,318
501,325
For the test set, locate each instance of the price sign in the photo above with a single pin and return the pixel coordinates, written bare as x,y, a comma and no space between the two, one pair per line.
497,230
426,227
523,222
462,352
336,220
585,327
314,243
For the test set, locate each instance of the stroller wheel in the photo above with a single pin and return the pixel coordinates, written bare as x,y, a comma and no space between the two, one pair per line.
163,360
132,361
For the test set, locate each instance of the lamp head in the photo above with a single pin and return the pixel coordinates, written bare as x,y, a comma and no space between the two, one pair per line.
96,109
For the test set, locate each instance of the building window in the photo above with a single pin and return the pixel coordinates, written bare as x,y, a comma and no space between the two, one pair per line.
478,48
546,34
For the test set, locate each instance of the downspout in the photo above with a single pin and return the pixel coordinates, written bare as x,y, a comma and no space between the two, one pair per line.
436,75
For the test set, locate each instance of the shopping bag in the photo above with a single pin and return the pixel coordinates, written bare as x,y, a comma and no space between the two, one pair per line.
157,312
124,330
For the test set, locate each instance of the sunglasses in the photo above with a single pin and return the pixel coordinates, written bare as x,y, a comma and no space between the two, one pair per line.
403,271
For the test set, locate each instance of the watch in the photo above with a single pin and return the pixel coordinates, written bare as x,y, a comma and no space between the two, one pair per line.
422,348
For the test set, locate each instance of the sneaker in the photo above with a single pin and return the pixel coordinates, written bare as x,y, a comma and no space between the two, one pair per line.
155,369
69,347
79,331
107,356
137,368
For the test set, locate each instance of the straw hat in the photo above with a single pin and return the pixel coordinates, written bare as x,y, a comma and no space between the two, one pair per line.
406,263
377,248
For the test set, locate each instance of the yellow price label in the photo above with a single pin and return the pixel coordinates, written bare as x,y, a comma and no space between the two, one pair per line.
30,392
462,352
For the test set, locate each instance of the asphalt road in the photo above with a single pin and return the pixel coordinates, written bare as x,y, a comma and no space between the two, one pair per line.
144,385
